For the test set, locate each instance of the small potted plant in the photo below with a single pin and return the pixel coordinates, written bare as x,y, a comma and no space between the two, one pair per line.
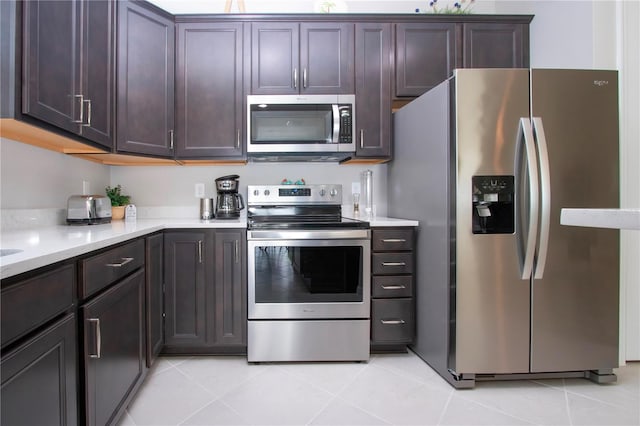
118,201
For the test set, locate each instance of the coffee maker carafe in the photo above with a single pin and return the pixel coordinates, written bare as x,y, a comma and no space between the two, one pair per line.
229,202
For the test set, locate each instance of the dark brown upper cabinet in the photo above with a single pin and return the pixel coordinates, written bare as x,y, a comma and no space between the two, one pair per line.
373,90
307,57
145,80
209,90
69,66
495,45
425,56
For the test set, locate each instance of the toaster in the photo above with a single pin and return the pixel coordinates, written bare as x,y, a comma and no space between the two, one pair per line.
88,210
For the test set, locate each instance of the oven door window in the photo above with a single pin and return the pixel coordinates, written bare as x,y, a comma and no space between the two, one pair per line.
291,124
308,274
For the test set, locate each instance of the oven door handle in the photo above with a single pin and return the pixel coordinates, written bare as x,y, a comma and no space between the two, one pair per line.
329,234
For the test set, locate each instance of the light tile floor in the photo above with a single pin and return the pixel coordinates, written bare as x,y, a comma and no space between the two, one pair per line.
388,390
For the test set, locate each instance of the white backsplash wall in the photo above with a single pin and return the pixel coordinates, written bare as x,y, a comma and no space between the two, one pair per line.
36,178
174,186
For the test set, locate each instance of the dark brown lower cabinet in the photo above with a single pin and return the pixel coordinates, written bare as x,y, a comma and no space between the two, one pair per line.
392,289
205,291
39,378
114,349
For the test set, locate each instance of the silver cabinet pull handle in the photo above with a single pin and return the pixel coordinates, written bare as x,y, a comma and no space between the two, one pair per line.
88,102
237,253
125,260
98,351
295,78
81,120
394,240
200,251
304,78
393,287
238,139
362,138
170,139
392,322
394,264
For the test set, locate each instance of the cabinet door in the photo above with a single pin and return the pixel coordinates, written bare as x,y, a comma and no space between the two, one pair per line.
51,63
145,80
98,71
185,288
275,58
114,348
209,103
39,378
154,296
373,90
496,45
425,56
326,58
230,288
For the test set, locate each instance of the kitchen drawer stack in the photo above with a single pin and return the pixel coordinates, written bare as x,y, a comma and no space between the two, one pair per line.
392,289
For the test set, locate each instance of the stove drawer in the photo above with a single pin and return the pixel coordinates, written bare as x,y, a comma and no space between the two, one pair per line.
392,321
392,263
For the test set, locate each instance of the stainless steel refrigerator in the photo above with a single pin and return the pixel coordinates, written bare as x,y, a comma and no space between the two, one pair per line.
485,161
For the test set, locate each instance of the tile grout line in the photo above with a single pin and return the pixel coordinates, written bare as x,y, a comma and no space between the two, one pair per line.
446,406
566,402
336,396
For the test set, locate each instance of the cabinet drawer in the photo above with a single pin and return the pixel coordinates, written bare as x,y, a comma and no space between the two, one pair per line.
106,268
391,263
392,320
30,303
400,239
392,286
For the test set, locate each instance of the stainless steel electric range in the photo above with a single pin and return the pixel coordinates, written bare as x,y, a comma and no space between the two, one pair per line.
309,286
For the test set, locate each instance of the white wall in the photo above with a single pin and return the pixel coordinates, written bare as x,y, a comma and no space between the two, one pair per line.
174,186
35,178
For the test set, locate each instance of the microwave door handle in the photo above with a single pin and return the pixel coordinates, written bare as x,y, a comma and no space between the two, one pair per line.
336,123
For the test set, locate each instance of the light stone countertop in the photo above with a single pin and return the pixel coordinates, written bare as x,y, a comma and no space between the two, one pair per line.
41,246
601,218
384,221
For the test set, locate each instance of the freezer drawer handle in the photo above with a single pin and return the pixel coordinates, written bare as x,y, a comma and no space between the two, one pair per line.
526,141
392,322
393,287
98,350
394,264
125,260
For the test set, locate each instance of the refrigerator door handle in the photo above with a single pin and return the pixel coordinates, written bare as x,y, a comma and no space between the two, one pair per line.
545,192
526,141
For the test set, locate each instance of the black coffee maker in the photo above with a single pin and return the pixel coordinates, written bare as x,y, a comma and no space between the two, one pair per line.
229,202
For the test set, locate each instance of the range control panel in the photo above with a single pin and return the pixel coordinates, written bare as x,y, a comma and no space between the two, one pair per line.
329,194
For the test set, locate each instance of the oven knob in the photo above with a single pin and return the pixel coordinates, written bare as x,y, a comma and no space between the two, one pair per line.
256,192
267,192
333,192
322,192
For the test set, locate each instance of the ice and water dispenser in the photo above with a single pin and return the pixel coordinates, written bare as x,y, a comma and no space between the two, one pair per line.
493,204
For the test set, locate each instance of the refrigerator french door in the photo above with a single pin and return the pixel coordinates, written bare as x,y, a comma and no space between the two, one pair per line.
504,291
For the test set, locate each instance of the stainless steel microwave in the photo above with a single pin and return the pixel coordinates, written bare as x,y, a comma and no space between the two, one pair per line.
300,124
